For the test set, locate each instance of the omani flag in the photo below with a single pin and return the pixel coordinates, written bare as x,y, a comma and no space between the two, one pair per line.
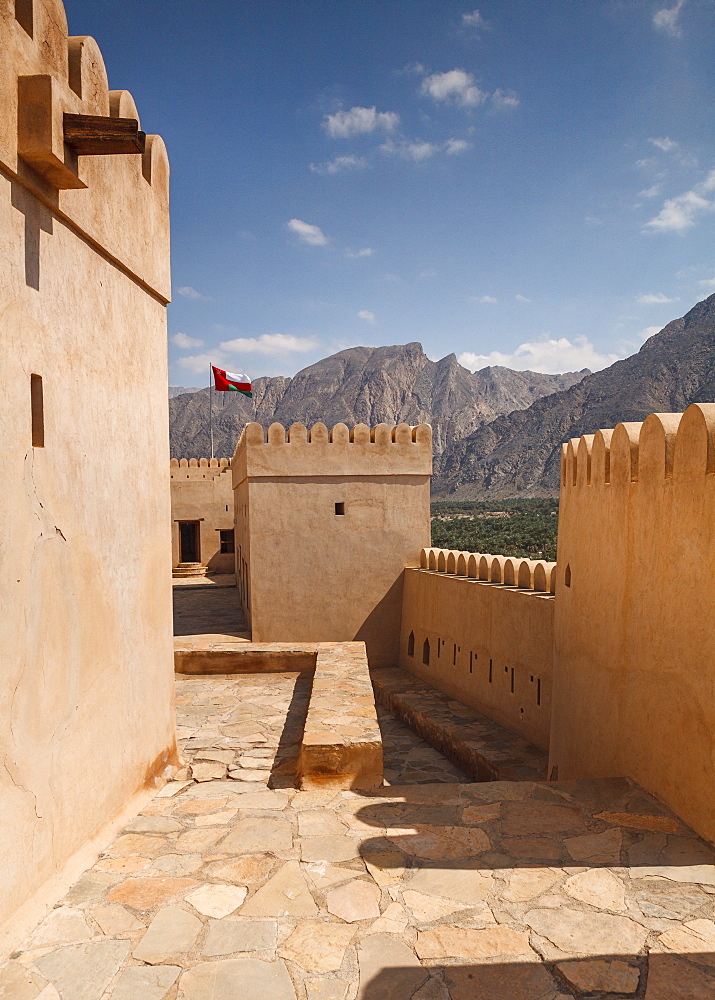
228,382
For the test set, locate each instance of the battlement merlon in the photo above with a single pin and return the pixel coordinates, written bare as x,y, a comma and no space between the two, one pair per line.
664,446
44,75
359,451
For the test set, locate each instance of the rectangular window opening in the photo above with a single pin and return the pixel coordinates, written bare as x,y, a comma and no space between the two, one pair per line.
37,407
227,541
538,691
490,671
471,661
512,680
454,655
24,16
339,508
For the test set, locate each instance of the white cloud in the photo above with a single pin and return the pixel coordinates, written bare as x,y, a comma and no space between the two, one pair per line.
270,344
489,299
654,299
364,252
338,164
682,212
708,283
368,316
503,100
521,298
185,342
666,19
415,149
199,363
455,85
547,355
453,147
474,20
358,121
665,144
651,192
190,293
312,235
418,149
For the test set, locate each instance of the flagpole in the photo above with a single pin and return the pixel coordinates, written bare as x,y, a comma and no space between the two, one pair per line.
211,414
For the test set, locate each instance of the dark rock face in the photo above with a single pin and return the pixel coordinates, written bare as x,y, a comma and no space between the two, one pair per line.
518,454
364,385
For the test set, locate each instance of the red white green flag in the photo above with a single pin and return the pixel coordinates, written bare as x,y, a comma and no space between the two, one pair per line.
229,382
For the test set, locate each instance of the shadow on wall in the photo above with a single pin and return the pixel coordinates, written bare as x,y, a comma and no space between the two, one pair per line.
38,219
655,976
383,621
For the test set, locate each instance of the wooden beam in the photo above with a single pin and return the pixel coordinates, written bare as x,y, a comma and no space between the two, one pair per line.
95,135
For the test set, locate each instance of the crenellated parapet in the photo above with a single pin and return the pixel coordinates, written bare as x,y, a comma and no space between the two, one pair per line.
664,446
198,468
316,451
119,200
510,571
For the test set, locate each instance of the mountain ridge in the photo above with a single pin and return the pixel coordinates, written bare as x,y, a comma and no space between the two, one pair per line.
369,385
518,454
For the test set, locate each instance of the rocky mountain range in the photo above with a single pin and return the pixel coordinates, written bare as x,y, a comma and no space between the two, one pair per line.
364,385
518,454
497,432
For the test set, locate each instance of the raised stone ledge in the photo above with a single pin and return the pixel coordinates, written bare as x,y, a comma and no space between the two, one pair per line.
481,747
341,746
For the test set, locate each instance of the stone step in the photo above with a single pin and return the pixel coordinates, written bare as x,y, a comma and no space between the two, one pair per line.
481,747
189,569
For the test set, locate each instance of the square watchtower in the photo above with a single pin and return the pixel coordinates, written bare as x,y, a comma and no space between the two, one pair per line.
325,524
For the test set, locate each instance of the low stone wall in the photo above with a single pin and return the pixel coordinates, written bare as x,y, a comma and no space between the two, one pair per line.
487,642
341,745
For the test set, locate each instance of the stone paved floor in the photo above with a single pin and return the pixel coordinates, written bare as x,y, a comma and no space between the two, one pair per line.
245,726
203,610
226,890
248,727
409,759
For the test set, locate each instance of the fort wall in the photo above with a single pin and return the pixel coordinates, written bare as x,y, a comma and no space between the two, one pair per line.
634,686
334,517
86,717
202,492
479,628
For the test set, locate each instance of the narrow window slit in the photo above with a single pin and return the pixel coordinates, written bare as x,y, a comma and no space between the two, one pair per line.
37,407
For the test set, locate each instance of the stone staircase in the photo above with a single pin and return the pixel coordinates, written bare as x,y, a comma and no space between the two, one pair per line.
189,569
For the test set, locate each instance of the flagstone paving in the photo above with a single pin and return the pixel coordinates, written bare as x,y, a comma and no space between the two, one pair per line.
208,610
248,727
244,726
230,890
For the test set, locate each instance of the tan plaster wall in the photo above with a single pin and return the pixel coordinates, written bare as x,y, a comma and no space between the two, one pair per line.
476,629
316,576
203,492
634,673
86,704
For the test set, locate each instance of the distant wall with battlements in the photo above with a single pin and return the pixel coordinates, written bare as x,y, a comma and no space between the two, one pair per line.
326,521
634,654
202,494
86,712
481,628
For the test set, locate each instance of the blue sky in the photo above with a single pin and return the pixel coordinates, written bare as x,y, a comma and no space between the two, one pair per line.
527,182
